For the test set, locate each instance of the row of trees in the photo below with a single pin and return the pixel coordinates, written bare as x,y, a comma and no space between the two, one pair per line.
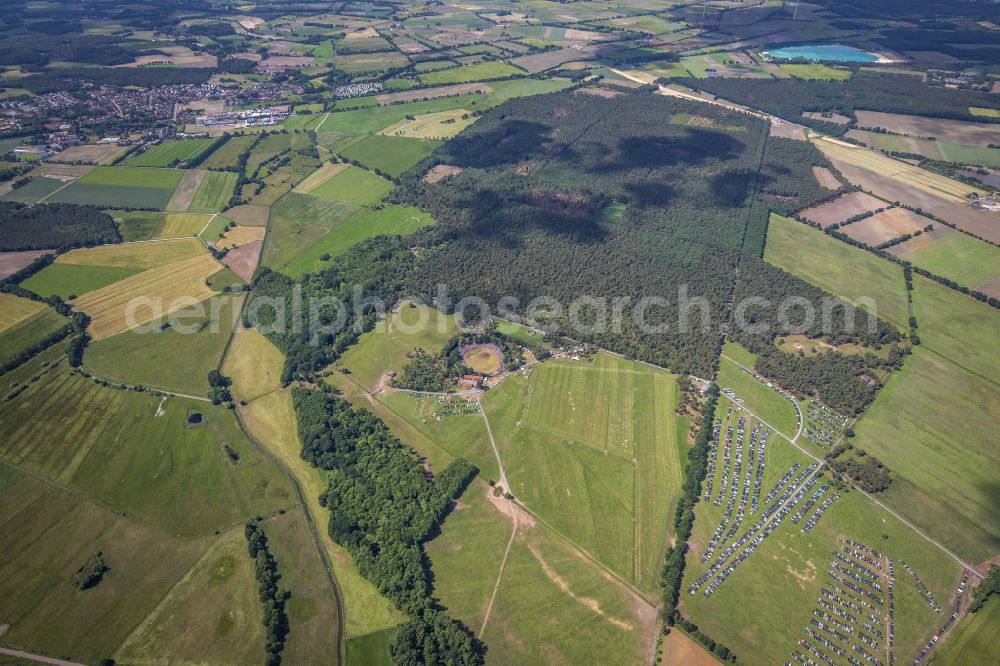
272,599
383,507
673,568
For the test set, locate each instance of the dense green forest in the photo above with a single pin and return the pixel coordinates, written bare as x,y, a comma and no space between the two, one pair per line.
570,195
50,226
383,507
787,182
870,91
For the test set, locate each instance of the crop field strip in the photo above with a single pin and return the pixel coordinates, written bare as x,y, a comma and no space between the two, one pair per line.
932,183
170,287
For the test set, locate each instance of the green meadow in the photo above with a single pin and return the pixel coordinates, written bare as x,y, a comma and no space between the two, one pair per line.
836,267
135,452
365,223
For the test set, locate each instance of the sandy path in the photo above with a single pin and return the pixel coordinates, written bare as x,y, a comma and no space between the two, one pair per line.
37,657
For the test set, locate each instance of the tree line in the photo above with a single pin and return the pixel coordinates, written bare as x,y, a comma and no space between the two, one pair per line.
383,507
272,599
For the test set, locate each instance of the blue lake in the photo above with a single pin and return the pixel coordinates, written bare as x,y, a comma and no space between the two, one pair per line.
837,52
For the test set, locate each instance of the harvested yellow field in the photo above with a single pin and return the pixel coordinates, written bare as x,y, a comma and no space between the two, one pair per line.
367,33
440,125
932,183
134,255
320,176
178,225
144,297
14,310
239,235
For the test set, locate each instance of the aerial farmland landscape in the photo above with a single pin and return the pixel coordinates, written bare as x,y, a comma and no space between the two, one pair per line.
507,332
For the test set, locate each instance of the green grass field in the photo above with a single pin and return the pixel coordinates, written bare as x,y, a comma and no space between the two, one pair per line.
371,649
170,153
522,334
213,614
391,155
933,424
968,261
458,436
47,534
137,225
28,332
476,72
837,268
816,71
298,221
958,327
365,223
355,186
312,608
255,366
113,446
214,192
595,449
761,400
66,280
176,359
228,155
386,347
984,112
974,640
552,605
130,187
38,188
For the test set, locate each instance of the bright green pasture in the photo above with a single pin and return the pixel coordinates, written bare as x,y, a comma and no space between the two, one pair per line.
66,280
366,223
837,268
816,71
170,153
48,533
354,185
934,425
391,155
312,609
456,436
766,403
968,261
595,449
177,358
300,220
552,605
136,453
228,155
214,193
136,225
476,72
124,176
975,638
958,327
